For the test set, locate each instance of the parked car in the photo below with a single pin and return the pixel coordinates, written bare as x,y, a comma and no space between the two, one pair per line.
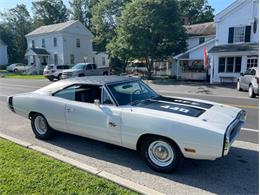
249,81
53,71
85,69
125,111
17,67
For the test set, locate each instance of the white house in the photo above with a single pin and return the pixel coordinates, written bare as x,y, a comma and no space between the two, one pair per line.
63,43
3,53
189,65
237,41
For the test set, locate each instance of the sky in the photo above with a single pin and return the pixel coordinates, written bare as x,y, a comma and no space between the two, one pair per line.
218,5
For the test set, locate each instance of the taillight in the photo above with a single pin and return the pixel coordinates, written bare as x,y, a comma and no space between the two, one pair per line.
257,80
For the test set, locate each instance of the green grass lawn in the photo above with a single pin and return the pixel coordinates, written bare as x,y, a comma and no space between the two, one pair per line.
21,76
24,171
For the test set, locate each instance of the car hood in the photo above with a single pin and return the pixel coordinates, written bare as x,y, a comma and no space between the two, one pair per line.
71,70
190,110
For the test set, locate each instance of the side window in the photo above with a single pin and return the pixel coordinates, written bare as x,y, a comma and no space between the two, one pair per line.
94,66
88,67
67,93
106,99
247,72
80,93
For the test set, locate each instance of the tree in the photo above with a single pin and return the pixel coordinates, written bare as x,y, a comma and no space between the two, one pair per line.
150,30
16,24
49,12
198,11
104,21
81,10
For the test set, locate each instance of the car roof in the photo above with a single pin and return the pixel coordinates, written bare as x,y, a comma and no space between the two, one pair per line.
91,80
101,80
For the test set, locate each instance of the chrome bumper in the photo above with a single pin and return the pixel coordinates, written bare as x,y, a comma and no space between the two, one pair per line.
233,131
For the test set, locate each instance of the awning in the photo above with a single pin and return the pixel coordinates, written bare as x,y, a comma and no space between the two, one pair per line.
37,51
241,47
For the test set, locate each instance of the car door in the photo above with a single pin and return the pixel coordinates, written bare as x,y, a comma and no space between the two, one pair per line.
244,79
89,70
101,122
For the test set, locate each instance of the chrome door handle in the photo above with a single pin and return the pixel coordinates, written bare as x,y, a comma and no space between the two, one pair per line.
111,124
69,109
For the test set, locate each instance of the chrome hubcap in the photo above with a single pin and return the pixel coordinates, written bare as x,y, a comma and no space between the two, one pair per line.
161,153
250,91
40,125
238,85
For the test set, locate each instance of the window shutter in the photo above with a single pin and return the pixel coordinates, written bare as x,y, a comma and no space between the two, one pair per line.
231,35
248,34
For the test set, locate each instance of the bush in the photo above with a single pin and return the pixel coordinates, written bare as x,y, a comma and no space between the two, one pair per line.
3,67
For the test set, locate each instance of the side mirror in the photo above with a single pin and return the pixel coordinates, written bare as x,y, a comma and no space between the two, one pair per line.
241,74
97,102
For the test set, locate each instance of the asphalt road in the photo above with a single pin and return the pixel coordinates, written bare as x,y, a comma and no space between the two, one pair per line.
236,173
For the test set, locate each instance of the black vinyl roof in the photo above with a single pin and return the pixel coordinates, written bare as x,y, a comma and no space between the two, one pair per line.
101,80
242,47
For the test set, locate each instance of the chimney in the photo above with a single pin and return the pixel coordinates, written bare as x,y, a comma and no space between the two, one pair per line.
186,20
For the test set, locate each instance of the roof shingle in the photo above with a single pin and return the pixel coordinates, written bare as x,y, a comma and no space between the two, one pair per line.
51,28
208,28
234,48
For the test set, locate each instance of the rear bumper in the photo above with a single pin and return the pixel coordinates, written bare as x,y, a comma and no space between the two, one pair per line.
233,131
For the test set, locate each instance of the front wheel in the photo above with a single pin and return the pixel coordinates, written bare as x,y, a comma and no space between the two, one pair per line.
238,86
59,76
251,92
40,127
161,154
50,78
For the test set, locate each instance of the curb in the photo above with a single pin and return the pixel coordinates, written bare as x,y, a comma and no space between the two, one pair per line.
103,174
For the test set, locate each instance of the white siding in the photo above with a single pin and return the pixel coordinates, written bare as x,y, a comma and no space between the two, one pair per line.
242,15
194,41
49,45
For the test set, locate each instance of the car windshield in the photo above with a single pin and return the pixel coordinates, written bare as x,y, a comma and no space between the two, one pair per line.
79,66
131,92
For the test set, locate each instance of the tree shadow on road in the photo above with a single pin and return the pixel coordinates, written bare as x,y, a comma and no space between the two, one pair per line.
236,173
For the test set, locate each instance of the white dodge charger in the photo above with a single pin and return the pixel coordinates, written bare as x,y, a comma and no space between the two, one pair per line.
126,112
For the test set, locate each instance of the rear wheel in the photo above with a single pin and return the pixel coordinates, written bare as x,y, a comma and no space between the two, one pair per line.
40,127
251,92
15,70
161,154
238,86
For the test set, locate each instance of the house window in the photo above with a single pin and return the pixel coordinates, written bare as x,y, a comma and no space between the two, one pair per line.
78,43
103,61
94,60
201,40
252,61
55,59
239,34
221,65
55,42
33,44
229,64
43,43
72,59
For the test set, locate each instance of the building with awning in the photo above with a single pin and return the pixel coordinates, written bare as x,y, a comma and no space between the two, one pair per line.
37,56
237,41
189,65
